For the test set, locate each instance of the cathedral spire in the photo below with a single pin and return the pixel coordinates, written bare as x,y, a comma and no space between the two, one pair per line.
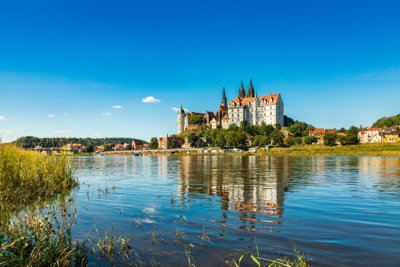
223,100
250,92
242,93
181,110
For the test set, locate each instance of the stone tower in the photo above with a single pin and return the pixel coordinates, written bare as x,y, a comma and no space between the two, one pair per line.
181,120
242,93
251,92
223,100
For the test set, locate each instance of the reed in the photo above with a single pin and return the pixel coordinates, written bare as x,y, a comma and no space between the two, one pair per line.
27,177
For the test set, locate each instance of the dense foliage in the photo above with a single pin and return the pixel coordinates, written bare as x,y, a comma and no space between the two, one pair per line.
386,122
300,129
243,136
153,143
32,142
196,119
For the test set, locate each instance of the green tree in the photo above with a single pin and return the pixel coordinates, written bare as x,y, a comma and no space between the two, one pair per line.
196,119
309,140
330,139
108,147
153,143
292,141
288,121
349,140
260,140
277,137
300,129
89,149
353,130
386,122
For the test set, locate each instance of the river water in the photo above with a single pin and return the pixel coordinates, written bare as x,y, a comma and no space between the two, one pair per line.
339,211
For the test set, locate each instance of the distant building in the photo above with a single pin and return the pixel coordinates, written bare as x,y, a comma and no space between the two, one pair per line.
167,142
393,137
319,133
248,107
138,144
370,135
255,110
120,147
72,148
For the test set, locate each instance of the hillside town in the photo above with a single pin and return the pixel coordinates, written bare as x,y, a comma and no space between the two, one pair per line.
246,123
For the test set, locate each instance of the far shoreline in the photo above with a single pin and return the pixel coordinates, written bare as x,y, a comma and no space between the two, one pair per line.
304,150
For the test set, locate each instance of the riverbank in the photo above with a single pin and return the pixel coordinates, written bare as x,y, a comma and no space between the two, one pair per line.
304,150
356,150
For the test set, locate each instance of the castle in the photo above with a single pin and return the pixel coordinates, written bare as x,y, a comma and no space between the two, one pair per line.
268,109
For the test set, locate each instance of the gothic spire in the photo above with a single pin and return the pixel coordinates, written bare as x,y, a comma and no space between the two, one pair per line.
250,92
242,93
181,110
223,100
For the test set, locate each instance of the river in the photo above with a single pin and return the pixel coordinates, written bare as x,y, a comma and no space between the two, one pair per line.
339,211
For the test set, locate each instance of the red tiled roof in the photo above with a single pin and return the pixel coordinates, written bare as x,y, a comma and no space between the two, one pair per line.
247,100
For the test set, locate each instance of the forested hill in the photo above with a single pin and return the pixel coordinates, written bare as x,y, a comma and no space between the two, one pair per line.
31,141
387,122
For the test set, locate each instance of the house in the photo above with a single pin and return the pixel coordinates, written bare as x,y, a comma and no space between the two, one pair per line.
138,144
393,137
120,147
319,133
72,148
286,133
99,148
370,135
170,142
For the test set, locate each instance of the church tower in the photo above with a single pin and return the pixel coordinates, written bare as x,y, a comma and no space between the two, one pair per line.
250,92
223,100
181,120
242,93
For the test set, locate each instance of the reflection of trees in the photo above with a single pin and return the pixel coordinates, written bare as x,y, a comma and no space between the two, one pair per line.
250,185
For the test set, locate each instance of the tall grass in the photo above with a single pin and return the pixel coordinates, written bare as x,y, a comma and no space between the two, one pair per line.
42,239
26,177
355,150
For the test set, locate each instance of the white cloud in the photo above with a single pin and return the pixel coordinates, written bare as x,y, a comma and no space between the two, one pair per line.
106,114
51,116
6,131
177,109
2,118
65,114
117,106
20,128
151,100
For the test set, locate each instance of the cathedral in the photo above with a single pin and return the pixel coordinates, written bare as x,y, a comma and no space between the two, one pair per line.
268,109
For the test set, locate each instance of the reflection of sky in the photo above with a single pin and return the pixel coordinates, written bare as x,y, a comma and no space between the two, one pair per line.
333,208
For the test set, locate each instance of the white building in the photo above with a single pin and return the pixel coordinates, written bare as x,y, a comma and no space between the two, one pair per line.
268,109
256,110
370,135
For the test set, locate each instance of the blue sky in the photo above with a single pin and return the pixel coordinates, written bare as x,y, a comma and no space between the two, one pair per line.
65,64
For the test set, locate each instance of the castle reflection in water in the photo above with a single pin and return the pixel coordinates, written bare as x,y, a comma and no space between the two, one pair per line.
245,184
257,185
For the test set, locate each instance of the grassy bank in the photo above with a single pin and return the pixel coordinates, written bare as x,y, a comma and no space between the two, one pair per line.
27,177
356,150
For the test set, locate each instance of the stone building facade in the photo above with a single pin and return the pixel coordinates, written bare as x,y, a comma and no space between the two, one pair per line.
268,109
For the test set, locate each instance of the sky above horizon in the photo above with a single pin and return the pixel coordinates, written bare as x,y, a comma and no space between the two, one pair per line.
119,68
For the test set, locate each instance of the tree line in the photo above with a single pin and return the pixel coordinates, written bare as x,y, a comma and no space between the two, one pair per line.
32,141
